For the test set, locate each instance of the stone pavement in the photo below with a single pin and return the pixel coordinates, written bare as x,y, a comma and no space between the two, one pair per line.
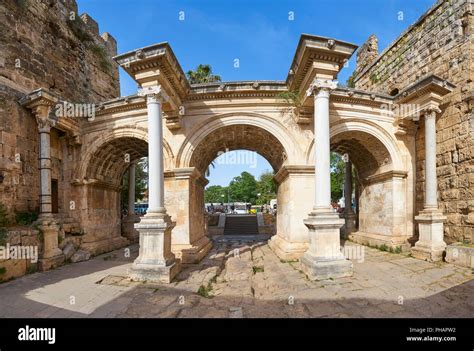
242,277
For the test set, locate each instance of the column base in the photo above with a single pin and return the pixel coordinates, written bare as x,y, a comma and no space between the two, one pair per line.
128,228
430,246
376,240
155,262
154,273
52,255
324,259
192,253
349,226
45,264
286,250
319,269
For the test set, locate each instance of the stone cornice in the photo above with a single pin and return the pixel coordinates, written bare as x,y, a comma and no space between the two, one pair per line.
123,104
238,89
286,170
311,49
354,96
426,85
39,97
187,173
425,94
160,59
376,178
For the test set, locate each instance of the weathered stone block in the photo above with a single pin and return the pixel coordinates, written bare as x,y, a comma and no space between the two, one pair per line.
461,255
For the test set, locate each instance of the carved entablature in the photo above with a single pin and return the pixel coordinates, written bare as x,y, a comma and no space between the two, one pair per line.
156,65
123,104
317,57
423,96
44,105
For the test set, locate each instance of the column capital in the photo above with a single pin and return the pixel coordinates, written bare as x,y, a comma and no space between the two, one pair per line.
45,124
431,111
321,87
154,94
41,102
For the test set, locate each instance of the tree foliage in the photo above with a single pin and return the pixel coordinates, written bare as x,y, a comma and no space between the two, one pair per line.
337,176
202,74
266,187
243,188
215,194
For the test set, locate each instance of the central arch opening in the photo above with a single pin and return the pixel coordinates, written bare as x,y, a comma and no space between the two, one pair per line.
238,137
247,204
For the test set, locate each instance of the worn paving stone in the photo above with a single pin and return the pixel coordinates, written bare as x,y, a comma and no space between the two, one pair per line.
252,282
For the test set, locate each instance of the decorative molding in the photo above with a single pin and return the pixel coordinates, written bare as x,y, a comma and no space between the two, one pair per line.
313,49
286,170
377,178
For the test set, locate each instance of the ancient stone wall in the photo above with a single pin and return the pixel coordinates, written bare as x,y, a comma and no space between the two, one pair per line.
440,43
46,44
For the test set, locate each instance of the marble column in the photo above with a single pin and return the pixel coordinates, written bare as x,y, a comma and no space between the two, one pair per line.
430,245
349,214
128,222
52,255
323,259
155,262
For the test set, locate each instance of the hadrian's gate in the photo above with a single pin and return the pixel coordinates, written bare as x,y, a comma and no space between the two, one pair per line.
199,121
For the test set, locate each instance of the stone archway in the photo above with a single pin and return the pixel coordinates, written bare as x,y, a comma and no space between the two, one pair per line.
184,186
384,217
275,131
99,190
105,159
238,136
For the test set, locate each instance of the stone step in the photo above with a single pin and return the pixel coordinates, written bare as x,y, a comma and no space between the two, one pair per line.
243,225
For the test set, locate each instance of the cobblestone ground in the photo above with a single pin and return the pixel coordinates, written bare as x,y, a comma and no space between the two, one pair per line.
244,278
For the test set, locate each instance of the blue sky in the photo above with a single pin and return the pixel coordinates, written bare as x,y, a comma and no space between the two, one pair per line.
258,33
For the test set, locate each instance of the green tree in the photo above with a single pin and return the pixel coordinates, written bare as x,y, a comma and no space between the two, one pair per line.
243,188
214,194
337,176
141,182
202,74
266,187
